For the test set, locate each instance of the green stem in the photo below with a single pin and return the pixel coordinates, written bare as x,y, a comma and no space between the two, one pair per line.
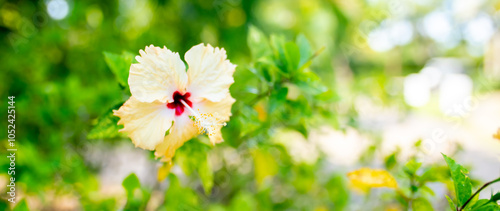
412,190
258,97
479,190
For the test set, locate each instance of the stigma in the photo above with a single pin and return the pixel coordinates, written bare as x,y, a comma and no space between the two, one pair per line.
177,104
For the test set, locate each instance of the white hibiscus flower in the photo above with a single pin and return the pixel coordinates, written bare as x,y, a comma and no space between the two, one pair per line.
167,98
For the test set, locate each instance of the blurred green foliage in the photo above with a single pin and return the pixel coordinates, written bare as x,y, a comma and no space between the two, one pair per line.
68,75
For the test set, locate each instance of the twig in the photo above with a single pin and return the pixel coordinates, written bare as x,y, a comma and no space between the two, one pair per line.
479,190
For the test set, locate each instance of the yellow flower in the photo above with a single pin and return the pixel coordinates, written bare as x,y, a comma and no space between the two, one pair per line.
366,178
497,135
170,105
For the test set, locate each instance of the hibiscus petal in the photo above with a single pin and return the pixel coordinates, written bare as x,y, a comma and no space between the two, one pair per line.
159,73
145,123
222,109
181,131
209,74
216,137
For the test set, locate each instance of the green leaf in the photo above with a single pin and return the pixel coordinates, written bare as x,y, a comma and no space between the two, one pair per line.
488,207
265,71
130,184
496,197
137,197
484,205
451,203
301,127
257,42
107,125
411,167
421,204
277,43
428,190
192,157
462,183
304,48
434,174
189,155
277,99
21,206
243,201
292,54
478,203
180,198
338,192
326,96
279,53
248,121
206,176
391,161
120,66
309,83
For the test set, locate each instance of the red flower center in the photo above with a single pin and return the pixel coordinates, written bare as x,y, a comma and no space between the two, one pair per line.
177,105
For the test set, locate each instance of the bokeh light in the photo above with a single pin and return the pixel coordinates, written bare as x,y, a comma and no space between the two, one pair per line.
57,9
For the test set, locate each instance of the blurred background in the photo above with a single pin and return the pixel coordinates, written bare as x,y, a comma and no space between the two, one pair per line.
403,72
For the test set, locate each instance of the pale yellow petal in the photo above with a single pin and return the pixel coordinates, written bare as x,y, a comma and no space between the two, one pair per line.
145,123
164,171
209,73
223,107
217,136
182,130
159,73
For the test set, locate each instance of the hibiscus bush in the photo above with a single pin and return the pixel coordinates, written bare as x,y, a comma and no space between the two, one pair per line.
251,105
277,92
